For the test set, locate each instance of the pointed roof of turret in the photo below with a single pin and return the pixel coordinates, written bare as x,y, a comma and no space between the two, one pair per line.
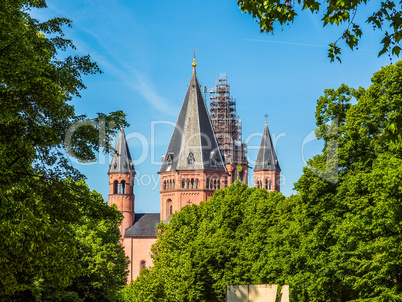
193,145
266,158
121,162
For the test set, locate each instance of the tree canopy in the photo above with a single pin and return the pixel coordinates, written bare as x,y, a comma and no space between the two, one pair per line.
337,239
59,240
388,18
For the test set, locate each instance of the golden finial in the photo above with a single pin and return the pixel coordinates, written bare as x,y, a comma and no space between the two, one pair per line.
194,63
266,118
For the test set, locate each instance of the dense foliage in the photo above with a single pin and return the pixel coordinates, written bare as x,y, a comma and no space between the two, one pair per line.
343,12
59,240
338,239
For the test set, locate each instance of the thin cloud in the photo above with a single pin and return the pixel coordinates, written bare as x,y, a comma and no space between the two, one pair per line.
110,62
288,43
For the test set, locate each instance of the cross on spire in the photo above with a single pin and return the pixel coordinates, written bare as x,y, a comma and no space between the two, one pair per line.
266,117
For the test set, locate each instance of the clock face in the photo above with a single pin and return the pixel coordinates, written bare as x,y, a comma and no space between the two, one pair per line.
239,168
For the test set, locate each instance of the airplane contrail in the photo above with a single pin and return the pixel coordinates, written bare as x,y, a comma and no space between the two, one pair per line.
289,43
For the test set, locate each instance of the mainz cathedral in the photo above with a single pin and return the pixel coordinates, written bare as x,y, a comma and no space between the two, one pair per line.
205,154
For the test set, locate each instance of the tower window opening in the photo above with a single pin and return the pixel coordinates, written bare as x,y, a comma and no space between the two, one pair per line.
269,185
188,183
173,184
143,264
170,184
183,183
219,184
207,185
196,183
115,187
171,209
164,185
266,184
123,187
192,183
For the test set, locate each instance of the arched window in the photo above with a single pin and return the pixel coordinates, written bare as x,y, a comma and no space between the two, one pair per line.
196,183
269,185
143,264
211,184
115,186
173,184
219,184
188,183
192,183
170,184
214,184
169,206
164,185
207,186
183,183
123,187
266,184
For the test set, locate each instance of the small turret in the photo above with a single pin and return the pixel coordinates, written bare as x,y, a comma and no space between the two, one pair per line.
267,170
121,181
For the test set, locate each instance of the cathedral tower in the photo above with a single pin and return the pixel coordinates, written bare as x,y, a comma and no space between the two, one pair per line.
267,171
121,181
193,167
228,130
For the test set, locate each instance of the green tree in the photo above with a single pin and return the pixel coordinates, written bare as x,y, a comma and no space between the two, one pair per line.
45,213
204,248
339,13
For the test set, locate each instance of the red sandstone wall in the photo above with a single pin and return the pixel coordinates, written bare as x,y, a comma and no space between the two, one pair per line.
137,250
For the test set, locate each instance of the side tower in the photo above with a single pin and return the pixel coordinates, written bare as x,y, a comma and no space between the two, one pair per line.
121,181
227,127
193,167
267,171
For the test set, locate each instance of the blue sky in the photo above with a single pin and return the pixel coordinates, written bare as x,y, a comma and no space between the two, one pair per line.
144,49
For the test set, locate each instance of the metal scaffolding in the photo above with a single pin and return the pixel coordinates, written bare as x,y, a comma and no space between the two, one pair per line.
226,123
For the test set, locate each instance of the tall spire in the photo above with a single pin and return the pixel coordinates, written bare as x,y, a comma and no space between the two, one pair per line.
193,144
266,158
121,162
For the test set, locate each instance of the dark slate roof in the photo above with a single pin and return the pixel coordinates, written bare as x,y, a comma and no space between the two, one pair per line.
144,225
266,158
193,136
121,162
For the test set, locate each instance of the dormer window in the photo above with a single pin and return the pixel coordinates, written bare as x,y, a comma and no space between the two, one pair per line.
170,158
214,157
190,158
